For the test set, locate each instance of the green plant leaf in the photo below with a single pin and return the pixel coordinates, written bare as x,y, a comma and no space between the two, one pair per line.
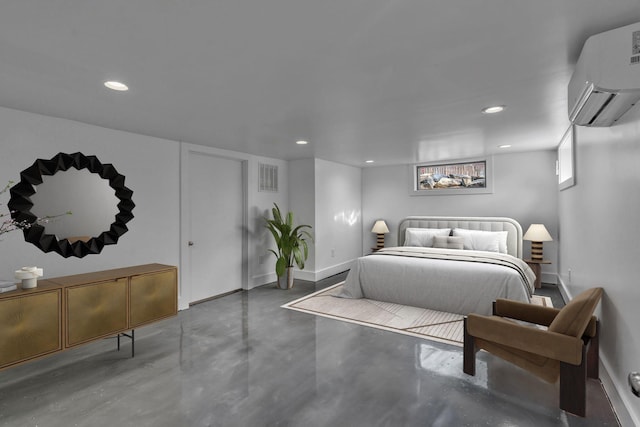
292,247
281,266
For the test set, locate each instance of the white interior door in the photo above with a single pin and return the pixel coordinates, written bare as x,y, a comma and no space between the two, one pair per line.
215,225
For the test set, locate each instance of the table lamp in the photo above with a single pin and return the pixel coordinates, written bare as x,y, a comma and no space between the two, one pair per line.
537,233
380,228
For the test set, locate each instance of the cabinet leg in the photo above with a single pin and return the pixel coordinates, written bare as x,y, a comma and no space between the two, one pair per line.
133,341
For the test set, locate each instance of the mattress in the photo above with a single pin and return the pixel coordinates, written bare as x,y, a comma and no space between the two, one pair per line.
455,281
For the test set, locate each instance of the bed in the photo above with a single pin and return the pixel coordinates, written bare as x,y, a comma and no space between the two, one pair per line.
446,278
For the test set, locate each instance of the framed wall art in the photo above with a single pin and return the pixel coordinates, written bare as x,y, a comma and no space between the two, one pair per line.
471,176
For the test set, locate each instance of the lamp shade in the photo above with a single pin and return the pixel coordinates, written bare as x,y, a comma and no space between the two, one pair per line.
537,233
380,227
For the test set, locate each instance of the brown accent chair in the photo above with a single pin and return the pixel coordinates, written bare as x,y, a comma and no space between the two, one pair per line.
567,349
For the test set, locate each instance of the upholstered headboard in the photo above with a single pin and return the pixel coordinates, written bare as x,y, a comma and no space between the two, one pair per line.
514,236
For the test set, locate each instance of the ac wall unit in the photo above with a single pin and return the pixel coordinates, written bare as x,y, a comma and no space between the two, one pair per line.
606,80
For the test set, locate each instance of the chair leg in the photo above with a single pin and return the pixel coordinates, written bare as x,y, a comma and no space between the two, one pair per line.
573,386
593,355
469,352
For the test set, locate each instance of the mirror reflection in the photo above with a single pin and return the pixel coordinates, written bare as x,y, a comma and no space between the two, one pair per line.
86,195
94,200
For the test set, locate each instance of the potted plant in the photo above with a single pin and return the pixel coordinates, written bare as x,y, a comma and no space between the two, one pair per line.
291,243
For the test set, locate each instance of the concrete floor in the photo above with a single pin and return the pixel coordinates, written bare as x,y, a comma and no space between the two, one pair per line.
241,360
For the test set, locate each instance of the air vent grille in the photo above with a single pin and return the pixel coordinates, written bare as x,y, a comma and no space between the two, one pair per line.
268,178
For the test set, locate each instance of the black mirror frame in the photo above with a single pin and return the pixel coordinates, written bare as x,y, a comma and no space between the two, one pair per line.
20,204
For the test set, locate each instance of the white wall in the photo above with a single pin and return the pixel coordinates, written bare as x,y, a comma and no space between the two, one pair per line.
525,188
302,202
151,170
327,196
261,262
338,207
600,235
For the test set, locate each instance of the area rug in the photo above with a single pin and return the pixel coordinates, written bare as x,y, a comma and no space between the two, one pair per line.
419,322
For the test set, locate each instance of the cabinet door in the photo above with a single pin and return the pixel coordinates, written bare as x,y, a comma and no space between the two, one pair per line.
96,310
153,297
30,326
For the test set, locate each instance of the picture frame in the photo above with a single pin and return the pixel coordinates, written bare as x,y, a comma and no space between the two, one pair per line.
466,176
565,164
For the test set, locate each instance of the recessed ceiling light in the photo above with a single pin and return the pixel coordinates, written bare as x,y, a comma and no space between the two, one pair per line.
369,161
493,109
504,146
114,85
302,142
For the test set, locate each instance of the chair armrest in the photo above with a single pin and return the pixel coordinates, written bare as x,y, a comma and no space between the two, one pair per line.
523,311
592,328
526,338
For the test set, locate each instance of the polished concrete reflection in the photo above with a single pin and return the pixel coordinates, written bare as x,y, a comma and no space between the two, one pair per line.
241,360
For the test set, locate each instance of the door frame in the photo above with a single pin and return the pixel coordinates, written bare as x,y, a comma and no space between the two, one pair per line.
186,149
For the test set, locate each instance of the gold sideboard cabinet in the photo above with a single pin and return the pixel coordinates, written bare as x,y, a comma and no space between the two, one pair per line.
30,323
152,296
95,310
67,311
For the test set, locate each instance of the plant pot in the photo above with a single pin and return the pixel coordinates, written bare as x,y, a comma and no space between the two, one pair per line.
286,280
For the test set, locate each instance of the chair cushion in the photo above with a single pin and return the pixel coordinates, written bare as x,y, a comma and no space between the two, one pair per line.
574,317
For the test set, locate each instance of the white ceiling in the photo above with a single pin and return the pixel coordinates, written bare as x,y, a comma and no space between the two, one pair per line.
395,81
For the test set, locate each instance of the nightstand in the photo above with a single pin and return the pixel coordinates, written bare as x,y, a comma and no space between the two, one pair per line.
536,266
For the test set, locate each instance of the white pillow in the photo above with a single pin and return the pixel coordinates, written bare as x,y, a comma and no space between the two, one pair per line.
423,237
502,243
478,240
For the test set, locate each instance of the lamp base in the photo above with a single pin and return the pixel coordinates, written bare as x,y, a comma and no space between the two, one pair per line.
380,241
536,251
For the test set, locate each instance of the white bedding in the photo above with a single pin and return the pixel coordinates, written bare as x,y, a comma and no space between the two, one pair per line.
455,281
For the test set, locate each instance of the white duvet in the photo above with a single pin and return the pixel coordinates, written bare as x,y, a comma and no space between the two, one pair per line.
455,281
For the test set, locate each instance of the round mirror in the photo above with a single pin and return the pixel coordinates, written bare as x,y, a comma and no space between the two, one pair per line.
93,192
91,201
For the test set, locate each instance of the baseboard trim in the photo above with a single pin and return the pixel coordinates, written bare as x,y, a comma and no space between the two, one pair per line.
311,276
549,278
618,401
262,280
314,276
305,275
566,295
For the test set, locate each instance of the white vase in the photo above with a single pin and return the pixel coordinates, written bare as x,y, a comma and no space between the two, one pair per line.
29,276
29,283
286,280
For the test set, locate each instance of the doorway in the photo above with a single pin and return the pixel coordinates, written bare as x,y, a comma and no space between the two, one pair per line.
213,225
